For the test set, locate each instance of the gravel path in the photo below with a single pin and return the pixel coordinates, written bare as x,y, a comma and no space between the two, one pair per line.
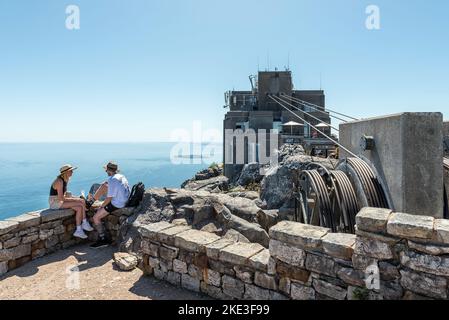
56,277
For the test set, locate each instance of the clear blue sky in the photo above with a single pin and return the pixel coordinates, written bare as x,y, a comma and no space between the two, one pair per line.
138,69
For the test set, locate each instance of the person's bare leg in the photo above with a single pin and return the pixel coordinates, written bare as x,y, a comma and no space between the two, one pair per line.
103,190
97,219
74,205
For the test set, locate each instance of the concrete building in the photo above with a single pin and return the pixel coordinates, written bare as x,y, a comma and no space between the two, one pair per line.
253,109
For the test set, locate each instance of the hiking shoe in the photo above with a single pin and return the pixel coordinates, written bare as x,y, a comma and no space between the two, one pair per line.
101,243
79,233
86,226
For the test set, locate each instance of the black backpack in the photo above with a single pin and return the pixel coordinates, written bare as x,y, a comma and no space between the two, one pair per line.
136,195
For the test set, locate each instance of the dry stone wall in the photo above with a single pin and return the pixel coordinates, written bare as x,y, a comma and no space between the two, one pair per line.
35,234
392,256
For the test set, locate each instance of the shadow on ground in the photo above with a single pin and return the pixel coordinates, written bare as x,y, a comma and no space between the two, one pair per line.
87,258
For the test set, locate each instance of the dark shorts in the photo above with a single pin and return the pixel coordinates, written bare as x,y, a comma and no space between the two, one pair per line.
110,208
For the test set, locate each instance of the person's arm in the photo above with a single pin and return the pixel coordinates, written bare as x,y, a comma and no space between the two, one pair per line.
59,189
106,202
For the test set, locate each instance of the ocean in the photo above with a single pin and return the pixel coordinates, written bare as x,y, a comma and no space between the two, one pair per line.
27,170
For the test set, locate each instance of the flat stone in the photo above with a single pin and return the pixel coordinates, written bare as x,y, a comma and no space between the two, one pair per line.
410,226
301,292
265,281
3,268
298,235
165,265
441,230
21,251
195,272
244,274
179,266
174,278
212,277
253,292
159,274
5,254
434,250
125,261
329,289
213,249
339,245
287,253
425,263
168,253
285,285
377,236
150,230
168,236
373,248
351,276
261,260
292,272
391,290
388,271
153,262
373,219
233,287
362,262
51,215
194,240
240,253
320,264
190,283
27,220
13,242
213,291
8,226
427,285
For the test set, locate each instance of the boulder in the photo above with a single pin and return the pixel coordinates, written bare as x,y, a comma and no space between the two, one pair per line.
252,231
250,174
220,182
125,261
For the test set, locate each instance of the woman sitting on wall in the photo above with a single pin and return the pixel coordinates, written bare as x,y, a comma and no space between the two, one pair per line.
59,199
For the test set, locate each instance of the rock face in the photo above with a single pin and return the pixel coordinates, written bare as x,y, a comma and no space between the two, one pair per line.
250,174
279,181
217,213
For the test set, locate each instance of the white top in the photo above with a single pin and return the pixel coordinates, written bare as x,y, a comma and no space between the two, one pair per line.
118,190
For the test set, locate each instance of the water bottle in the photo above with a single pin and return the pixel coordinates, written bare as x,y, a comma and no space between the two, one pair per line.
83,194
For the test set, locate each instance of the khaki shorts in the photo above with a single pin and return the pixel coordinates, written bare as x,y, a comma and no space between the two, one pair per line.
55,203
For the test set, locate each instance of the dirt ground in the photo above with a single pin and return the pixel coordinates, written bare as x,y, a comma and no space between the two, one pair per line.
86,274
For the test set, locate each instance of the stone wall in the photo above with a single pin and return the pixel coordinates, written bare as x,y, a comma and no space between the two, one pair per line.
35,234
392,256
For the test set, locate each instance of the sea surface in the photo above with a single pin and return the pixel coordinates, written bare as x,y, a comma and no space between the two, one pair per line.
27,170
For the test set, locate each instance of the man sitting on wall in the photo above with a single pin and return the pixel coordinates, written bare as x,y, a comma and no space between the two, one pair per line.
117,191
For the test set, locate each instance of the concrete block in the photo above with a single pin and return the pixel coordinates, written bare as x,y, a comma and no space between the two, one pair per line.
410,226
407,155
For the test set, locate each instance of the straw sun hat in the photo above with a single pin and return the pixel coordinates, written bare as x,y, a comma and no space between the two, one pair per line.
66,168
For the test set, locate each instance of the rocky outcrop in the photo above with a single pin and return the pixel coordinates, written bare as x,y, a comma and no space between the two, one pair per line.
250,174
278,185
